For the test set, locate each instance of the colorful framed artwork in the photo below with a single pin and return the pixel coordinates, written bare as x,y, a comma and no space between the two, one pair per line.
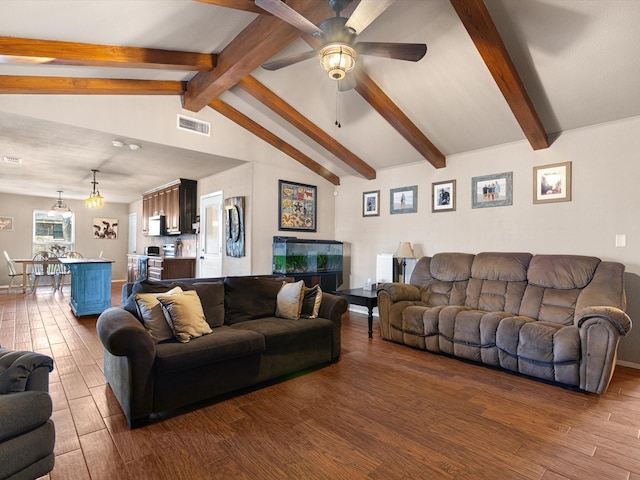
6,223
443,196
552,183
404,200
492,190
371,204
297,205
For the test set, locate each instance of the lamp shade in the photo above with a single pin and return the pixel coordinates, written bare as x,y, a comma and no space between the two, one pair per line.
404,251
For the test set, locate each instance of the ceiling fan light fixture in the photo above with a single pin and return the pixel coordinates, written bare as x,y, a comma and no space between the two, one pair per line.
338,59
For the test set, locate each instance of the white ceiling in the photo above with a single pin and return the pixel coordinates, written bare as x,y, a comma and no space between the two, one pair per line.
579,60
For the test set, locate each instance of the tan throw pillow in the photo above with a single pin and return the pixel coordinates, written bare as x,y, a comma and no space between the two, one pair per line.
311,300
150,311
289,301
184,315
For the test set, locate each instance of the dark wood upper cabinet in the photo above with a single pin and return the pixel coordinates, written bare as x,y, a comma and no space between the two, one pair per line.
177,201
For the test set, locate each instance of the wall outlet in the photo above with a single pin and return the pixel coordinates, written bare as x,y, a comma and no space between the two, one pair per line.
621,240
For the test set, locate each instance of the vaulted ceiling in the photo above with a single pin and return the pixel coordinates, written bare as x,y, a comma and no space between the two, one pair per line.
496,71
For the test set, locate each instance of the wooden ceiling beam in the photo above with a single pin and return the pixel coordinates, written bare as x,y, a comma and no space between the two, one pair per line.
261,132
374,95
245,5
261,40
261,93
10,84
476,19
51,52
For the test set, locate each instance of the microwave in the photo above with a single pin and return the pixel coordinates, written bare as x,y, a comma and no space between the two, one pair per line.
157,226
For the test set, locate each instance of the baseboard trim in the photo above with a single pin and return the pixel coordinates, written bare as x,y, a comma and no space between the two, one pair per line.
363,310
624,363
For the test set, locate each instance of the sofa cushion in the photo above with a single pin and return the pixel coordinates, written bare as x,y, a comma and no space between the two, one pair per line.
289,300
562,271
311,300
451,267
222,344
149,286
212,299
184,314
279,332
248,298
507,267
152,316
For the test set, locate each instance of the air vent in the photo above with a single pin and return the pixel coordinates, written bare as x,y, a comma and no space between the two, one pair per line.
193,125
12,160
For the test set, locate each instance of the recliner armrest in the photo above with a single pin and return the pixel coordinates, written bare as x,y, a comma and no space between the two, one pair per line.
400,291
616,317
23,411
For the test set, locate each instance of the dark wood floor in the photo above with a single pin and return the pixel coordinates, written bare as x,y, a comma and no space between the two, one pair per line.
384,411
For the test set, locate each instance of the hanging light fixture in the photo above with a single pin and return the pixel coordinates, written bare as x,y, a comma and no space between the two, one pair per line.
60,207
95,200
337,59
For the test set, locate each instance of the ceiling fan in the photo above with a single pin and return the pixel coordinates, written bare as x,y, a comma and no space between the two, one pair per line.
338,53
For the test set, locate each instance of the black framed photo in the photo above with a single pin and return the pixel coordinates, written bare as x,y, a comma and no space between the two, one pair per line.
492,190
443,196
371,204
297,204
404,200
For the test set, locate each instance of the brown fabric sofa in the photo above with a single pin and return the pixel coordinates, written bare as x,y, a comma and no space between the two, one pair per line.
554,317
248,345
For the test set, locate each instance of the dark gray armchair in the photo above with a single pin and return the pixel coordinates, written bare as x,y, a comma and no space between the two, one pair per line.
27,434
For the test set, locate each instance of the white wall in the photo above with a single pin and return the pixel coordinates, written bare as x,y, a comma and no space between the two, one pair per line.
18,243
258,183
605,202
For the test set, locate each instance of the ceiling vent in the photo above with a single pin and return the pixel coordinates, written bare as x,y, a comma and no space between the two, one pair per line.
193,125
12,160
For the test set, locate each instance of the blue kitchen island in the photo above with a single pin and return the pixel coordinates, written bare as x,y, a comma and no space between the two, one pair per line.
90,284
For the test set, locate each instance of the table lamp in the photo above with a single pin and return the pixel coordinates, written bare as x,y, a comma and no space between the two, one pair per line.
403,252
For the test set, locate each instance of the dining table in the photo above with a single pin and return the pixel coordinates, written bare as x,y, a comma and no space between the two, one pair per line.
26,262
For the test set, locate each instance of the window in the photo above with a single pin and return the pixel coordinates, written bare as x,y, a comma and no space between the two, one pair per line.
53,233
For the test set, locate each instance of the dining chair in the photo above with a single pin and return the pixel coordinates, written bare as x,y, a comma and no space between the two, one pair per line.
13,273
45,269
64,269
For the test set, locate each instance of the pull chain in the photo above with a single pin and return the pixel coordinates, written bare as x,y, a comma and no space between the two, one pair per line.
338,108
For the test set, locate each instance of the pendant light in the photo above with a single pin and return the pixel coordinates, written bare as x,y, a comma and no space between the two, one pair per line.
60,207
95,200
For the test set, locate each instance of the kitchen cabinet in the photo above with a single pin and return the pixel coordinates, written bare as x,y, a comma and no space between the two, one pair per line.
163,268
90,285
177,201
136,267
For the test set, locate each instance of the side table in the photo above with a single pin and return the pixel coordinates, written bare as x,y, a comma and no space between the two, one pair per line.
366,298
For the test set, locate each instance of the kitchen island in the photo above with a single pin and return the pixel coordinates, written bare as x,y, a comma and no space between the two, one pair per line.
90,284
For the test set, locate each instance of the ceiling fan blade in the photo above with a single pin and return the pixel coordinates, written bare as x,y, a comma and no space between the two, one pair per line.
366,12
398,51
290,60
347,83
289,15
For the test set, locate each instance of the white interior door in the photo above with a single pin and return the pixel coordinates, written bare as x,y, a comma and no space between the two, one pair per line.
211,227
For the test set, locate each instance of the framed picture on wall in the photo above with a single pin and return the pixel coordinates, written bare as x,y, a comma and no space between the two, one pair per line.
371,204
404,200
297,204
443,196
6,223
105,228
492,190
552,183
